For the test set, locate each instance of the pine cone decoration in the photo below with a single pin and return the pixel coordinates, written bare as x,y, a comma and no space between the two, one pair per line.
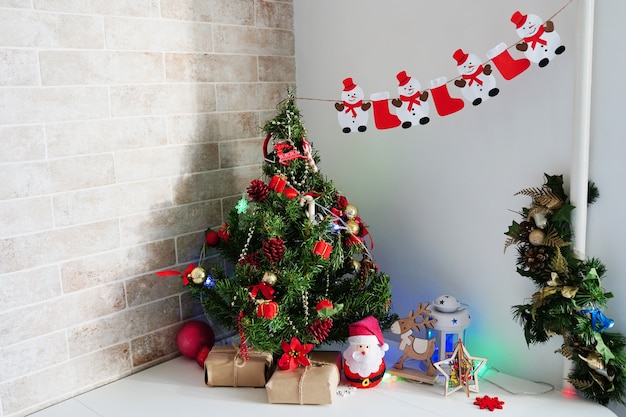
534,258
274,249
320,329
524,230
251,259
258,190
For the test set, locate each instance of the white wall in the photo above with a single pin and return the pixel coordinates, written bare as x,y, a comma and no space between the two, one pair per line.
438,198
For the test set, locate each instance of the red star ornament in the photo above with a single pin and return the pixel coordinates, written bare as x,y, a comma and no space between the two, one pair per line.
488,402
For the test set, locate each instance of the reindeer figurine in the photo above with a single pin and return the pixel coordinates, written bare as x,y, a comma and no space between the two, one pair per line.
415,347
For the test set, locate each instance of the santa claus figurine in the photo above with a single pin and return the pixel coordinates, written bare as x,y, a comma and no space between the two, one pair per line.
363,360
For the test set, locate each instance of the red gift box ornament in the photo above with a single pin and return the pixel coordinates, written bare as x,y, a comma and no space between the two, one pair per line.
267,309
322,249
278,183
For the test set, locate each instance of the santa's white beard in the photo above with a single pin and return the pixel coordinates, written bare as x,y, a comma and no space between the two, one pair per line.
361,364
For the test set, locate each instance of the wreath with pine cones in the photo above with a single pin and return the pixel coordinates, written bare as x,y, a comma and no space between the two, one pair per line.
569,299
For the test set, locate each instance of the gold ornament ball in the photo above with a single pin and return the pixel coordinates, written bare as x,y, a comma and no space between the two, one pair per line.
198,275
536,237
356,265
269,278
353,226
351,211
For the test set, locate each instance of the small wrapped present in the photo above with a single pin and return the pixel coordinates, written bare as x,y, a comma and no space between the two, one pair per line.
322,249
225,367
315,384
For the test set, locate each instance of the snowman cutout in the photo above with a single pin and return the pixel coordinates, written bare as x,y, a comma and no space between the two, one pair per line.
352,113
477,83
540,43
412,107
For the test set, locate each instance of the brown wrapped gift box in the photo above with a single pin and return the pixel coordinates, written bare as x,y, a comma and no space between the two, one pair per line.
315,384
225,367
327,356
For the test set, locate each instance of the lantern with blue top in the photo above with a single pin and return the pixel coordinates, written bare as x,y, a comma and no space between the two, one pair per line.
452,321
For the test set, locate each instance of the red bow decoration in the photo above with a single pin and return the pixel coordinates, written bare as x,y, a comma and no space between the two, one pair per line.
342,202
266,290
185,275
224,232
362,233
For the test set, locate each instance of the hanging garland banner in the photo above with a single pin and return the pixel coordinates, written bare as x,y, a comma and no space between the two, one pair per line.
539,43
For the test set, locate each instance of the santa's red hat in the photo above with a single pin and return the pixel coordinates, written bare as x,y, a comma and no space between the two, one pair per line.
403,78
459,56
348,84
367,331
519,19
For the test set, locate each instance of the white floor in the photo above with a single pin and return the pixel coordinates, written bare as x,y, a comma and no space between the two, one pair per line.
176,388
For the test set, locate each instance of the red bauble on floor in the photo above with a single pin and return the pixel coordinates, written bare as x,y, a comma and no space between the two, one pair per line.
192,336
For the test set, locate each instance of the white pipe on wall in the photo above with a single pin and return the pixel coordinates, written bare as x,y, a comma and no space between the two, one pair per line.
580,146
582,122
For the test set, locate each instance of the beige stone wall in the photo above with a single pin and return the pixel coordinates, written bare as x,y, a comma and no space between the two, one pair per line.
126,129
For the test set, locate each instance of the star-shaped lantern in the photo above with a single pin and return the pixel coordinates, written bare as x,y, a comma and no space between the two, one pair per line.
461,370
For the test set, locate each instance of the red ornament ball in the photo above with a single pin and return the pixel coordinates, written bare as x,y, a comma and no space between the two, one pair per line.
212,238
290,193
202,354
325,303
192,336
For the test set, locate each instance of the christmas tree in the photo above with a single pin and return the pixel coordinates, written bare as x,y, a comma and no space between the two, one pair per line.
298,261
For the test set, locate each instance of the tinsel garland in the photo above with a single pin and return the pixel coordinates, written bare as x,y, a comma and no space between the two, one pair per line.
569,298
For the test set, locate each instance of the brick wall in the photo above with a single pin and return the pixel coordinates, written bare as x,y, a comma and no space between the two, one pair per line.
126,129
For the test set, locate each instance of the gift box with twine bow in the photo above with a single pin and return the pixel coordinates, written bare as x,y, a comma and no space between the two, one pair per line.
315,384
225,366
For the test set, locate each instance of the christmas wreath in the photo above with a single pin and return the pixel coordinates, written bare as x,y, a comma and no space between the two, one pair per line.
569,298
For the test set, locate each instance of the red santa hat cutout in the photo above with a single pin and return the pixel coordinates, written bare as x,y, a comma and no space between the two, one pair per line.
367,331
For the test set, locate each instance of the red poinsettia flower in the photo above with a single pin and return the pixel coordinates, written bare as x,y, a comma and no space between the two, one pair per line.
295,354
